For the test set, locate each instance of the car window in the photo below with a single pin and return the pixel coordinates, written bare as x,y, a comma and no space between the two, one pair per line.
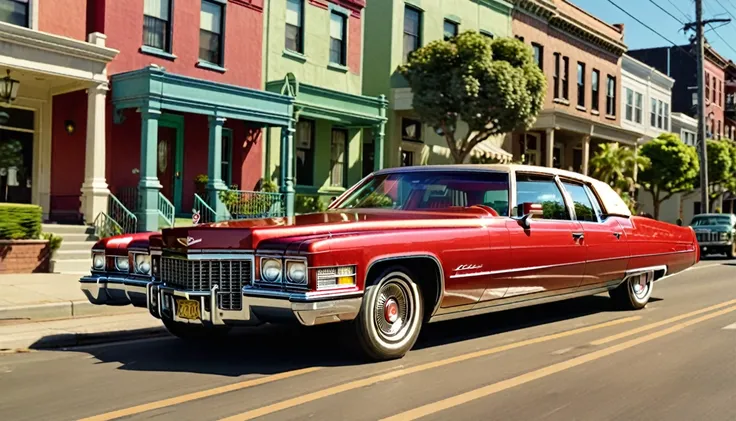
541,190
711,220
584,210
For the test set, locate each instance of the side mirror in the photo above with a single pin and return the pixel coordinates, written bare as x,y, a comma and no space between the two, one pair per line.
528,210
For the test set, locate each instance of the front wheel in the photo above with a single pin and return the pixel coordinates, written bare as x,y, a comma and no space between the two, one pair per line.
195,332
634,292
390,317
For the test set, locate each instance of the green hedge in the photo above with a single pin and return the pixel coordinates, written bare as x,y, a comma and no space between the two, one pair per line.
20,222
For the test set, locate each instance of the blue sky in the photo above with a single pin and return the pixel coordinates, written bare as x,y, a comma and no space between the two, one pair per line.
638,36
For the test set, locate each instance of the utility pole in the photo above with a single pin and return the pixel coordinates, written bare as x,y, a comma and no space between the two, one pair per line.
701,110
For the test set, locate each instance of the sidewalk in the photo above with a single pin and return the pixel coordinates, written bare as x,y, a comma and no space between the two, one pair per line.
49,310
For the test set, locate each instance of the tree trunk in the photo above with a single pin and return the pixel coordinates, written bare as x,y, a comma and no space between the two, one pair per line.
656,203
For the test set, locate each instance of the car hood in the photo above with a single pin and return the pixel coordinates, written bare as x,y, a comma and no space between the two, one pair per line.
248,234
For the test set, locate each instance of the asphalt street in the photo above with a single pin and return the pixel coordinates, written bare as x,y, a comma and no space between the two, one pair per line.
577,359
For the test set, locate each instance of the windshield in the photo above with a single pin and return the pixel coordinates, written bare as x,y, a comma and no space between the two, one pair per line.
431,190
711,220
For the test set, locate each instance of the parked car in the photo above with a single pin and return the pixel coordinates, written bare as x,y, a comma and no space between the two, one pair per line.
715,233
404,247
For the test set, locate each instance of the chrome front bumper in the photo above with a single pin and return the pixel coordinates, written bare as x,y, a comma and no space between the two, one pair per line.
258,306
115,291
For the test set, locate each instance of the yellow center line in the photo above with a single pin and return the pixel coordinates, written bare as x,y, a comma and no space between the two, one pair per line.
198,395
454,401
289,403
660,323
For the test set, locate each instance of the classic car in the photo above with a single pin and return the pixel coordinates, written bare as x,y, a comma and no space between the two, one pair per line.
404,247
715,233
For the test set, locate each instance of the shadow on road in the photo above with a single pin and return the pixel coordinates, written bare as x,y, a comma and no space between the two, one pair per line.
273,349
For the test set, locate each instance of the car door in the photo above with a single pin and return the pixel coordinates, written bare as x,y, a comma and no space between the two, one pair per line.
548,255
605,242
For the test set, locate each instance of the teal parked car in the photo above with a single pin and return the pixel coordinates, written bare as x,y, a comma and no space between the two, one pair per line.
715,233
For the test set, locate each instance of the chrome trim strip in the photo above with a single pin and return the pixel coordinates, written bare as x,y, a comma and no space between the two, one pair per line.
507,304
220,256
440,293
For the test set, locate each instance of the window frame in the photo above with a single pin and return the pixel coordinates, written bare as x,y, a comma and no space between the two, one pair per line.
453,24
538,48
638,107
345,161
300,28
566,78
629,111
556,76
417,37
29,10
343,42
418,138
221,50
581,84
595,204
514,192
611,98
595,90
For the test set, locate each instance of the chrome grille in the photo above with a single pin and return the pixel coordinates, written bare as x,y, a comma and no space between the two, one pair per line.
708,237
201,275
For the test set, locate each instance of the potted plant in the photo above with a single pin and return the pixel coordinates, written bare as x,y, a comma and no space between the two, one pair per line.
200,184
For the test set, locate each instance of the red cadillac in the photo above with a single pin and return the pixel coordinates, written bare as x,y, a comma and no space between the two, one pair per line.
404,247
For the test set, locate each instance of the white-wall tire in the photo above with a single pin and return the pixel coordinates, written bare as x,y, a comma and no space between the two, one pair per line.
390,317
634,292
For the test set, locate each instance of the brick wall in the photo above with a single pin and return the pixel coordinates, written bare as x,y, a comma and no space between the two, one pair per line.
536,30
24,256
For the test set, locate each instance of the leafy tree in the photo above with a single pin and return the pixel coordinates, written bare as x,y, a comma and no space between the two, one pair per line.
493,86
721,165
673,168
614,164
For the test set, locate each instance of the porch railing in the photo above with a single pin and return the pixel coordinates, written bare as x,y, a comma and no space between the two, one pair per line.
117,220
206,213
166,210
129,197
244,204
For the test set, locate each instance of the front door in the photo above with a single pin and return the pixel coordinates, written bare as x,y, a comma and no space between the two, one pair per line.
549,255
168,173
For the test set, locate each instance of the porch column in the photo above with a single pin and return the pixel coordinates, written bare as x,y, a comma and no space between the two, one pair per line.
214,169
550,152
635,171
94,189
148,186
586,153
378,137
287,167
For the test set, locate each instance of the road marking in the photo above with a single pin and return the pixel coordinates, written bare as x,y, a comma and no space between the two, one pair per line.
463,398
731,327
198,395
289,403
660,323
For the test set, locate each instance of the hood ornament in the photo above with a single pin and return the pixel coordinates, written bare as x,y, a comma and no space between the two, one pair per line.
189,241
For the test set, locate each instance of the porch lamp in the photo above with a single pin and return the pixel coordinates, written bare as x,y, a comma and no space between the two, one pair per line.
9,89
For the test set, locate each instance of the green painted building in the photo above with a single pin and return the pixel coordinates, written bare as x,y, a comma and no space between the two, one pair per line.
398,27
313,52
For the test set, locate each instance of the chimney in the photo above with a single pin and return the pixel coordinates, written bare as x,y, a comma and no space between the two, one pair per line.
619,26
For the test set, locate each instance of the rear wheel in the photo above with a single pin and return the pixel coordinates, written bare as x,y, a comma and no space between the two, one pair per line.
195,332
634,292
390,317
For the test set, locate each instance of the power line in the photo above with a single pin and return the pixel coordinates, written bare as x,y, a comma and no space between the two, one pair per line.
687,16
690,54
722,39
667,12
724,8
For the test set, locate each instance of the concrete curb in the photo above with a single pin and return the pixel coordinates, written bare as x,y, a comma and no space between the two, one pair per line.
78,339
61,310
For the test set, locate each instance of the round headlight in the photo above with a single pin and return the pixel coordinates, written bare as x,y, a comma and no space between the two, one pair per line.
122,264
271,270
297,272
98,261
143,263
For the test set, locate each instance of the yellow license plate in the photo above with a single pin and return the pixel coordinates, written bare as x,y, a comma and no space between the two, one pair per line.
188,309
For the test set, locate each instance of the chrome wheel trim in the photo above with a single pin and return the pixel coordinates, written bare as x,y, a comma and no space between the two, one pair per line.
641,286
393,336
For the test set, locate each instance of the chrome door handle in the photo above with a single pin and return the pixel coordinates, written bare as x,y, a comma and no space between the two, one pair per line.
578,236
617,235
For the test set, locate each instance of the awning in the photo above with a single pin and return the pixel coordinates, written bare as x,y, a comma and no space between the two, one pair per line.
488,149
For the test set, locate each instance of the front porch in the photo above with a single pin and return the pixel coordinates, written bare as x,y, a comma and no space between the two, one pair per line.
176,114
559,140
339,138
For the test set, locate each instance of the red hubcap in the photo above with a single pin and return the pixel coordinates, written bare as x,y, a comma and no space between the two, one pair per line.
391,311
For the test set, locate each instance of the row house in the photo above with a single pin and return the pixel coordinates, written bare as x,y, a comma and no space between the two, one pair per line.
399,27
679,63
314,53
730,105
579,113
646,97
120,106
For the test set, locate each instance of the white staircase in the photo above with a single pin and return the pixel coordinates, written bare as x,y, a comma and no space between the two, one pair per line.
74,256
